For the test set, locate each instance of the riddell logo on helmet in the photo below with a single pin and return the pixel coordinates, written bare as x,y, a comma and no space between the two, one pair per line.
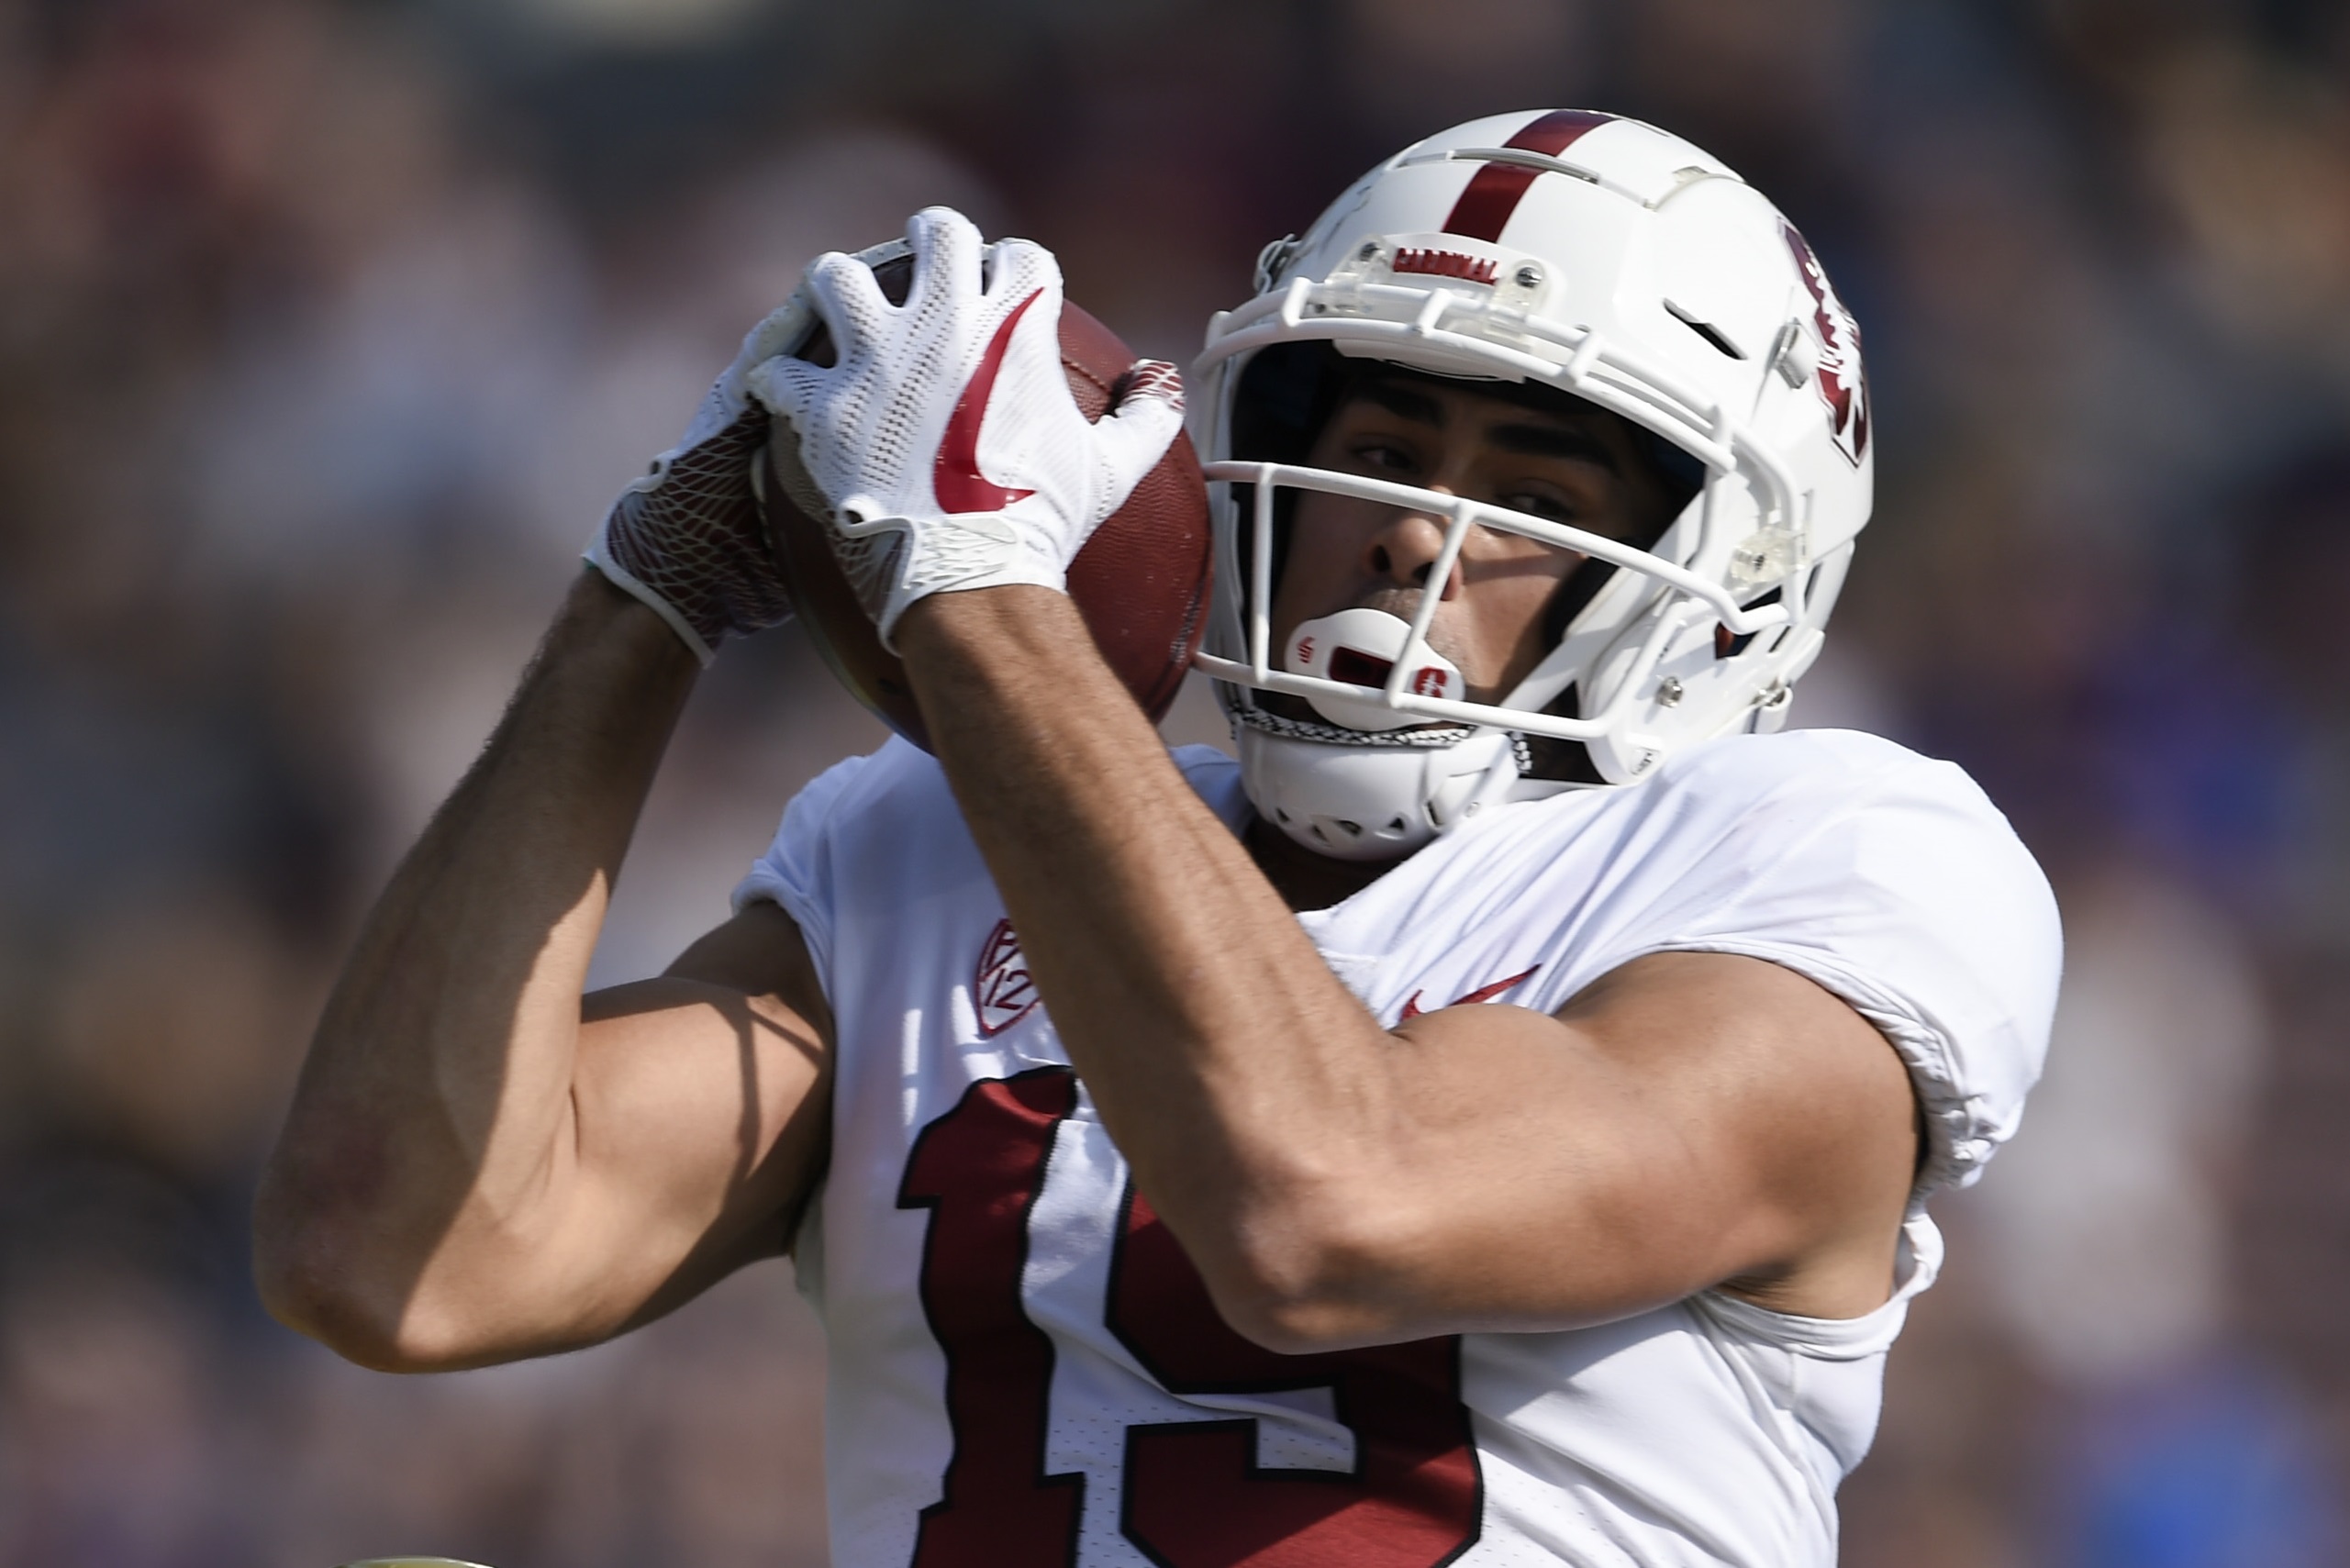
1843,385
1448,264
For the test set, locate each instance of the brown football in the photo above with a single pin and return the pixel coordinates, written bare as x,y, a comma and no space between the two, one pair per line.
1142,581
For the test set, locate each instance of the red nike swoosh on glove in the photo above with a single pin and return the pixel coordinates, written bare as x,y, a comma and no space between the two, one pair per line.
955,479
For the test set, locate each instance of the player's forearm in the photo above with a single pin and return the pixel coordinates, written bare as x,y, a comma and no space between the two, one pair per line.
1237,1074
433,1114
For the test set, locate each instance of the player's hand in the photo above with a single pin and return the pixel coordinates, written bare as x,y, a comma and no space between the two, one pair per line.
687,539
944,438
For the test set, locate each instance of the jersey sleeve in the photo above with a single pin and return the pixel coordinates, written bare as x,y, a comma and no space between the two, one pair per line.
1902,890
823,857
797,874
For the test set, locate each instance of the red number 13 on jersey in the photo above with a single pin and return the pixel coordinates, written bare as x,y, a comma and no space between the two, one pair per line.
1194,1496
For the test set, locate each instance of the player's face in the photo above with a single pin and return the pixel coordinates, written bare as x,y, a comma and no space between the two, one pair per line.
1584,469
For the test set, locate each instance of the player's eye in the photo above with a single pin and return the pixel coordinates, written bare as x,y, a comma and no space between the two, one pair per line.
1383,456
1547,504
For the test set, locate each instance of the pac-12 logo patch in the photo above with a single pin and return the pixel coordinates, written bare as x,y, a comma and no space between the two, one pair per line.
1844,386
1000,988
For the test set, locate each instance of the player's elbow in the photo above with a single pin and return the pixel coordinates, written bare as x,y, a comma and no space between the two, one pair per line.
316,1275
1315,1278
315,1299
1296,1324
377,1324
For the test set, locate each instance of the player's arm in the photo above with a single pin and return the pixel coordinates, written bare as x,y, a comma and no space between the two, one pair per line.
1689,1120
477,1167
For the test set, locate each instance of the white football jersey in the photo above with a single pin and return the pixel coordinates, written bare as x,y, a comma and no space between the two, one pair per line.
1025,1371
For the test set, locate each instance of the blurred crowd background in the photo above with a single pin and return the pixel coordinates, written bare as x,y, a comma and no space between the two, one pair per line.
326,331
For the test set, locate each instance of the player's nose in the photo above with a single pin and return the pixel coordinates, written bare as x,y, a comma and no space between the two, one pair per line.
1404,550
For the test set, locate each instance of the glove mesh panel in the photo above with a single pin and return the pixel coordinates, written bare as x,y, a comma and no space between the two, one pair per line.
696,537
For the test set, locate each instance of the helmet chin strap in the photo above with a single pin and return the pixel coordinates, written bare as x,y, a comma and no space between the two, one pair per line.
1355,801
1373,784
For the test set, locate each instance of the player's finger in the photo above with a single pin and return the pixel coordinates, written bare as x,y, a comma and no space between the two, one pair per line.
1017,268
847,298
947,253
787,385
780,330
1132,437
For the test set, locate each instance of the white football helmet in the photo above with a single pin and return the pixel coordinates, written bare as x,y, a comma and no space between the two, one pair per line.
1613,261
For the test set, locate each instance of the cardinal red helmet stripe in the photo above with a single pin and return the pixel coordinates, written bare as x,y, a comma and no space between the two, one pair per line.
955,478
1493,190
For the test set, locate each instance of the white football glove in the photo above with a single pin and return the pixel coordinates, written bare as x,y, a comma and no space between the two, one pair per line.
687,539
944,438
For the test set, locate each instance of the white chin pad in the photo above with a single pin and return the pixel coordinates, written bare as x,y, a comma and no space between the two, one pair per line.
1362,648
1370,802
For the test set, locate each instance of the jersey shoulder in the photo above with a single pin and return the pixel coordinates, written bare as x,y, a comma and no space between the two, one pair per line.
887,825
1830,767
899,788
881,796
1892,880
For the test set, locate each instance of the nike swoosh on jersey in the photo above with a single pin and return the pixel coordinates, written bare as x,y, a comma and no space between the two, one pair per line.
1411,1009
955,478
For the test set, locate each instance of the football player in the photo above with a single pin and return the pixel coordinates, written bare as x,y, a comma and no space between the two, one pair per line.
1488,1122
